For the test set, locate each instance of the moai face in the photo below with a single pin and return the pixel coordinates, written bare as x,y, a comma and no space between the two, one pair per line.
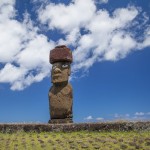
60,72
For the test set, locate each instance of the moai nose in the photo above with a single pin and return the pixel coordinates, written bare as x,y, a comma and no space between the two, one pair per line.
57,70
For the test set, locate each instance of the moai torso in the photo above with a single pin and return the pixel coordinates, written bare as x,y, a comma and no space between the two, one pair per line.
61,102
60,94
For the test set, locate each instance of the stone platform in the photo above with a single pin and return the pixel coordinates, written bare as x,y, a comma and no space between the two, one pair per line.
60,121
103,126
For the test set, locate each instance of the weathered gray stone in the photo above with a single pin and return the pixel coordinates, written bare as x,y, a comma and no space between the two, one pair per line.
103,126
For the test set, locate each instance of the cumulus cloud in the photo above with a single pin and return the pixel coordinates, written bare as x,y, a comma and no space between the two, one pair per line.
139,114
127,115
103,1
116,115
122,116
99,119
23,52
67,17
136,116
146,42
88,118
93,34
100,36
142,116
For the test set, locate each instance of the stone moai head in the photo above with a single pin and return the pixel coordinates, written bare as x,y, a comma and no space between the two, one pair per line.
60,58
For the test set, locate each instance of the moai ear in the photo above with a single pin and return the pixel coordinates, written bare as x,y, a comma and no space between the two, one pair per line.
69,71
51,74
51,78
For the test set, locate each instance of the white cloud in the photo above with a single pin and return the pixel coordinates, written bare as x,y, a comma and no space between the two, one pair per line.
140,118
146,42
99,119
139,114
72,37
116,115
16,73
43,1
67,17
88,118
4,2
120,45
127,115
24,53
135,116
103,1
105,38
11,31
122,116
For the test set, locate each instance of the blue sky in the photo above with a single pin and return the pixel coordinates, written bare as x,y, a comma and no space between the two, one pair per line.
110,41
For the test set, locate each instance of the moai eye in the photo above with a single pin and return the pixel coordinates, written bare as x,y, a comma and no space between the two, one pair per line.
65,66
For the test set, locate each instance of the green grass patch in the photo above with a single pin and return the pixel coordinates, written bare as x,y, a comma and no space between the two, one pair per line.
75,140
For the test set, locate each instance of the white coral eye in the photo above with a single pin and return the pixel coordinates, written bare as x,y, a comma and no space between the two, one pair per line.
64,66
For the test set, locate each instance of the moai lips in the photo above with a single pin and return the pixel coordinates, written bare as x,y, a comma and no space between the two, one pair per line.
60,94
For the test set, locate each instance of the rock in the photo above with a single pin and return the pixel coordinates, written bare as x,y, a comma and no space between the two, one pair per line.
96,147
60,94
84,146
60,53
123,146
147,143
61,102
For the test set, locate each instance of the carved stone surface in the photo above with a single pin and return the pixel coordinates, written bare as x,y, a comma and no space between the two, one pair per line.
61,101
60,53
60,121
60,94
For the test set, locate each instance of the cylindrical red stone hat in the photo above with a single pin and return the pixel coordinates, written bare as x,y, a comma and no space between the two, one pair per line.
60,53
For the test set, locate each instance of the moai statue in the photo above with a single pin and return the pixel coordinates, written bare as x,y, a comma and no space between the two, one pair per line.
60,94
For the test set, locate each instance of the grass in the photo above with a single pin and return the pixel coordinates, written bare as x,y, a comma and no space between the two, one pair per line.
75,140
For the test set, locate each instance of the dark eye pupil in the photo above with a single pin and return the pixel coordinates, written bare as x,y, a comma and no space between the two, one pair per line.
64,65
